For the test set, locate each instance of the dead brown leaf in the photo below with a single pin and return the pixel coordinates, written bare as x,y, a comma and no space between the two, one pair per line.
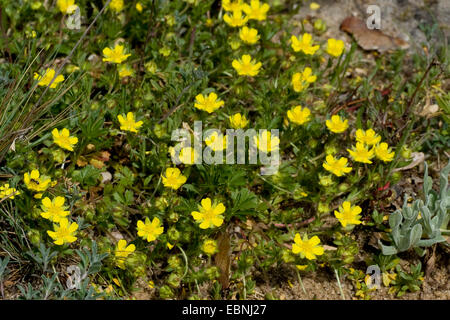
371,39
223,259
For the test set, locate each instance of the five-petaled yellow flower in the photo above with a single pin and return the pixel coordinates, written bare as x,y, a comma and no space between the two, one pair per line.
249,35
335,47
256,10
122,251
336,166
116,5
208,103
368,137
48,76
64,233
7,192
337,124
299,115
300,81
209,216
246,66
348,214
307,248
361,153
304,43
237,19
173,178
63,139
54,210
383,152
115,55
129,123
265,142
35,182
238,121
150,230
216,141
66,6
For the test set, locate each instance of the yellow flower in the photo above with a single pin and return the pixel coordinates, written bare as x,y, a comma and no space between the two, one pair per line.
216,141
116,5
249,35
361,153
298,115
246,66
139,7
209,23
188,155
255,10
208,103
66,6
173,179
54,210
48,77
265,142
209,246
229,5
129,124
125,71
209,216
122,251
336,166
335,47
115,55
304,44
307,248
7,192
301,80
238,121
383,152
35,182
368,137
236,20
63,139
336,124
348,214
64,233
149,230
301,267
314,6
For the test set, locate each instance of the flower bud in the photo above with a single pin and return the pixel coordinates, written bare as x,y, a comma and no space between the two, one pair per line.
173,234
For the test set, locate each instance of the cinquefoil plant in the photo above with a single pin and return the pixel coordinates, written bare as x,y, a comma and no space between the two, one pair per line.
411,230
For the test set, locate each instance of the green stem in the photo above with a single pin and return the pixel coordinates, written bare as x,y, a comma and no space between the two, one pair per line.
185,260
339,284
300,280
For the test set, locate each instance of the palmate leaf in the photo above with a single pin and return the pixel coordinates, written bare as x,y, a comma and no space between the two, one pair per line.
244,202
